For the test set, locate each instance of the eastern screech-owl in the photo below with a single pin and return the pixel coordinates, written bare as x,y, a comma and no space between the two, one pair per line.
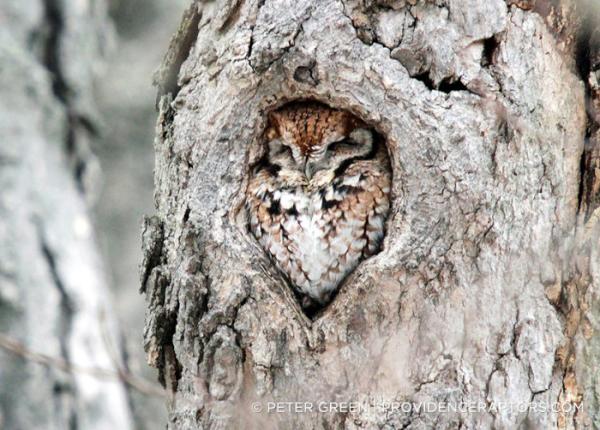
318,199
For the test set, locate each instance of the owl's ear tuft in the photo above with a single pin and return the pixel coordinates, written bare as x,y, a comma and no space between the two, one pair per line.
353,123
272,131
274,118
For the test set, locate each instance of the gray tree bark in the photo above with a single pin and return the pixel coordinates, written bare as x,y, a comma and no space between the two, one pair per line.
485,294
59,345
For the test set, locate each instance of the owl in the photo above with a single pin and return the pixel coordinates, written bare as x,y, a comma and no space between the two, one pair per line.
318,199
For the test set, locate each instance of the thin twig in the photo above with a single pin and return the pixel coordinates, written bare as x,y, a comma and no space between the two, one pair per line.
135,382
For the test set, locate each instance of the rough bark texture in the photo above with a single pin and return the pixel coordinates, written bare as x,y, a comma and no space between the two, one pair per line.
486,290
52,291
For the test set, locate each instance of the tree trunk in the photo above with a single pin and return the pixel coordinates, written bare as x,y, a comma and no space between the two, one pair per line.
479,312
59,344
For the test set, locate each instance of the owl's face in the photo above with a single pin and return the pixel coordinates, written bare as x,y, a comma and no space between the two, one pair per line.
315,139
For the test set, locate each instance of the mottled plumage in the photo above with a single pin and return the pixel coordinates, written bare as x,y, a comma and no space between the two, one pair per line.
318,199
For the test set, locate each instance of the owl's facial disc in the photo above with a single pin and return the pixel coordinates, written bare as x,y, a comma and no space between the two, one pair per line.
311,138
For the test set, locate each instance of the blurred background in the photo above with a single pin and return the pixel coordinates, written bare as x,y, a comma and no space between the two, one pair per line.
77,117
126,101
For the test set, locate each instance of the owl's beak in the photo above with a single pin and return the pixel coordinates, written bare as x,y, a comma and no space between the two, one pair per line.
308,169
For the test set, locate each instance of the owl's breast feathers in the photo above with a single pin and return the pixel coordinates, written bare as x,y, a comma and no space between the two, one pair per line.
318,232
